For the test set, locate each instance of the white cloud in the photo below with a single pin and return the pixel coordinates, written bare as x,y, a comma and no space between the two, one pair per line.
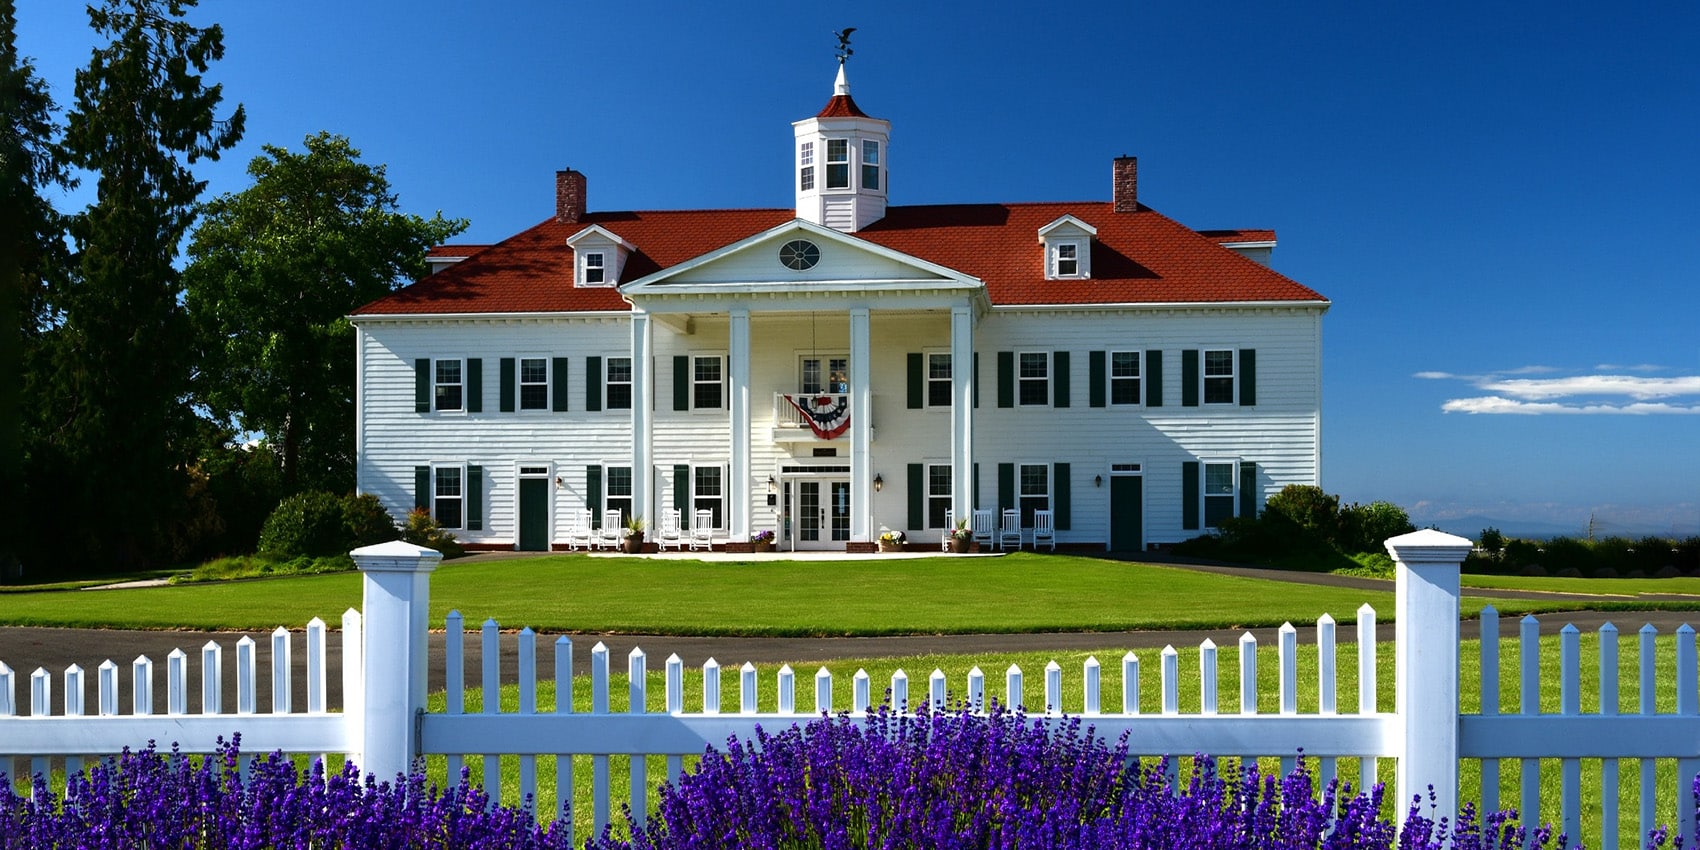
1499,404
1434,376
1607,385
1643,367
1608,391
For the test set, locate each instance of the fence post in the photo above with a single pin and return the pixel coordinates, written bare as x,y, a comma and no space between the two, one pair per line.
1426,665
395,594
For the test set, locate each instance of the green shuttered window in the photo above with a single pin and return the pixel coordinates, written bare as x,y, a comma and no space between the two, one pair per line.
1062,503
917,496
1059,379
1190,474
1189,378
592,383
505,395
1248,377
1154,378
558,370
917,382
1095,379
422,386
474,385
681,382
1006,379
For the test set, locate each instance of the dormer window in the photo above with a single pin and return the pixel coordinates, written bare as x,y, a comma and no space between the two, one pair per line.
1068,248
806,167
599,256
837,163
594,272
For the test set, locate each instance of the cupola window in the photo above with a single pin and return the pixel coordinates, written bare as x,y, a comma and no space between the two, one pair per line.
806,167
870,165
837,163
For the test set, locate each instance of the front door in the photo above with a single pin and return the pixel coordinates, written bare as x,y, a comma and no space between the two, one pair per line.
534,514
821,515
1127,506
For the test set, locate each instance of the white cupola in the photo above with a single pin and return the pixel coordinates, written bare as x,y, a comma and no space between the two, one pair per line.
840,160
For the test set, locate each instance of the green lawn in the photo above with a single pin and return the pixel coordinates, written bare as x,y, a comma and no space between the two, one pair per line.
1628,588
1016,593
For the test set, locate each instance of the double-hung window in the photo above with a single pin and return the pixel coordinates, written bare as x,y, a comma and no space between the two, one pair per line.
1124,377
708,493
448,497
617,490
1219,376
617,383
1066,260
1033,378
870,164
595,269
837,163
1034,490
1218,493
939,382
938,494
806,167
533,383
450,389
707,382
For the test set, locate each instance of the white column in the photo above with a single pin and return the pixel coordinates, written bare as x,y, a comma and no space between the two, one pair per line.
396,596
962,412
738,493
861,428
643,418
1425,646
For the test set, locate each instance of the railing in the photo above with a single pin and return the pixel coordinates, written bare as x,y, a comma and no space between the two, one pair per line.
384,726
787,415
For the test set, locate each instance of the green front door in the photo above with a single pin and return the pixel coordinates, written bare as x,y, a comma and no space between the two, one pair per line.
534,514
1127,520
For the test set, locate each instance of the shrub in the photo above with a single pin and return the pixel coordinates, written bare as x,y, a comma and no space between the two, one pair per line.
1309,508
1365,528
422,530
366,520
309,523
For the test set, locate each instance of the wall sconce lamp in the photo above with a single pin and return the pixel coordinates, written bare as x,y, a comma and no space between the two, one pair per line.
772,485
1097,480
557,481
879,482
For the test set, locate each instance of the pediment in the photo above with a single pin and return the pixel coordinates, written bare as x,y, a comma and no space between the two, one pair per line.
836,262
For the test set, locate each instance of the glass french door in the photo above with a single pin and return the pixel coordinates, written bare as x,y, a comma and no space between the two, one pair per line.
824,374
822,513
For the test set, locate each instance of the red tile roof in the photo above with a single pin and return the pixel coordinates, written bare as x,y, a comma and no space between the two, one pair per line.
1229,237
841,106
448,251
1138,258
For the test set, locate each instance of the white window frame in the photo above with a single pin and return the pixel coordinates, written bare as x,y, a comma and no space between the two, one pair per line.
459,497
806,167
932,380
843,146
1057,259
933,495
438,385
1021,494
721,499
1022,381
1204,377
600,266
608,383
1137,378
871,166
609,497
1232,494
521,384
720,382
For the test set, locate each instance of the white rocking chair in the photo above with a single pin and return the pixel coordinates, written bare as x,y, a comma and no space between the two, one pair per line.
670,534
949,526
578,531
702,531
1010,530
613,530
1044,531
984,527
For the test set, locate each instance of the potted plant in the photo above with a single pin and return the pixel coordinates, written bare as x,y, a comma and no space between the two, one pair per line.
762,541
891,541
960,537
632,543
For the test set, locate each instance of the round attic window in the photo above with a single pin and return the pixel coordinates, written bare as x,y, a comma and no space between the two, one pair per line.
799,254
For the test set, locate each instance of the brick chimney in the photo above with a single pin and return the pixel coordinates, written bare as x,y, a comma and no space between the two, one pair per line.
1126,192
569,196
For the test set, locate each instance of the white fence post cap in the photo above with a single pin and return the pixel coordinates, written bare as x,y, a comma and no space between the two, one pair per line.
1429,545
395,556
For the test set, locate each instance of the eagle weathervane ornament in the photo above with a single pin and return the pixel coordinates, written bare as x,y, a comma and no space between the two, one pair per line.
844,51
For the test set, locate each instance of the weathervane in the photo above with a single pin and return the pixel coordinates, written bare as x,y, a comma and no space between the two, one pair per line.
844,50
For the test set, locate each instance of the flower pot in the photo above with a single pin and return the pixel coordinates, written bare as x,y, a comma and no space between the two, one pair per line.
959,545
761,546
632,544
890,546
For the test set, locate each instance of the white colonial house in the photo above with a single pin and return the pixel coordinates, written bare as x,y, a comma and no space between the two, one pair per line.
841,366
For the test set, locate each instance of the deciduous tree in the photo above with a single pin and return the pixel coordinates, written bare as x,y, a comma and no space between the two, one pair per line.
274,271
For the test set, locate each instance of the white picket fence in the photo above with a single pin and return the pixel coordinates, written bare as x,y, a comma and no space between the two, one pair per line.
384,725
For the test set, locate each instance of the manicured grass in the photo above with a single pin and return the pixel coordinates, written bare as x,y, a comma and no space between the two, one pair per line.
1016,593
1626,587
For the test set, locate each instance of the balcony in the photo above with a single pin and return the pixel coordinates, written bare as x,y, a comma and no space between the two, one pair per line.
811,417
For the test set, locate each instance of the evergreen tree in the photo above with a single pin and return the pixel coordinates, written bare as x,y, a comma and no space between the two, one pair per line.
120,433
274,271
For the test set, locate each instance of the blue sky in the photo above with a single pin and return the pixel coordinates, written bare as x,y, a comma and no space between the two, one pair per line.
1499,198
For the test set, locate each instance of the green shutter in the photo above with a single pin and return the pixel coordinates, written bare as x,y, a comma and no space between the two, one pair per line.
976,379
1189,495
682,494
1059,381
976,500
1006,486
558,383
422,385
1248,377
506,394
422,488
474,385
917,382
1061,504
1006,379
1095,378
592,383
1248,489
1154,378
1189,377
682,382
475,498
593,494
917,497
